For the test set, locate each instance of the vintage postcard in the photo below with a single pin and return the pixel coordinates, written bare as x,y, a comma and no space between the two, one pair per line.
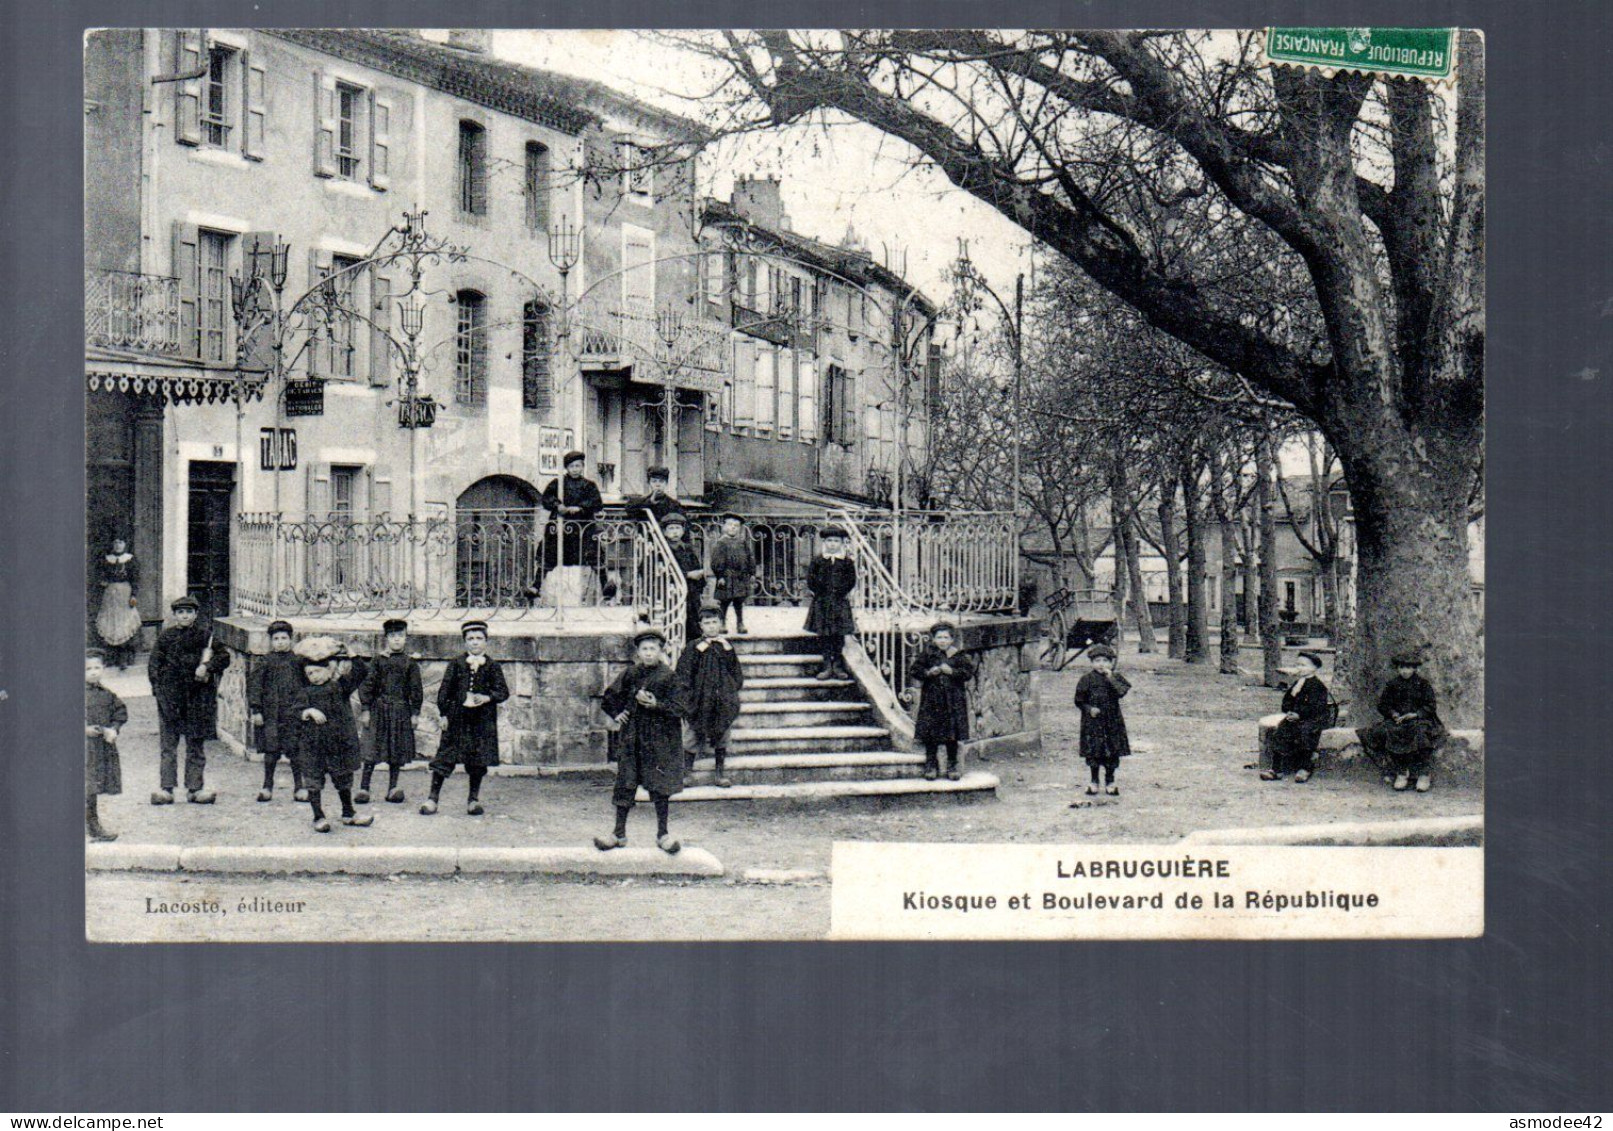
784,484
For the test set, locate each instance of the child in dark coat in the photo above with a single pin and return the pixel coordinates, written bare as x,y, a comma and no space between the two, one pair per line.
940,675
1410,730
734,564
1103,727
472,688
273,688
1305,711
710,672
676,528
830,579
645,708
328,734
184,671
391,696
104,716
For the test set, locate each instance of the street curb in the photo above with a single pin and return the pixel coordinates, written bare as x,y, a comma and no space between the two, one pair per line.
1443,831
388,860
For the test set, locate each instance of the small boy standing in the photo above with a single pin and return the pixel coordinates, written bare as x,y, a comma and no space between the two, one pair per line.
1103,727
104,716
329,737
472,688
184,671
273,689
734,564
830,579
710,672
645,708
1411,729
676,527
940,675
391,696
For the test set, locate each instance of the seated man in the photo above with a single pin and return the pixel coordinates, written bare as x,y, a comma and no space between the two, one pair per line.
1304,717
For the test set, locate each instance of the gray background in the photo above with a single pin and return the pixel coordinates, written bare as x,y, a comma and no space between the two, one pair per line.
1517,1021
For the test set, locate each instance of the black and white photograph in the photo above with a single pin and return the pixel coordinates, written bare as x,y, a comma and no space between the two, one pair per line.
783,485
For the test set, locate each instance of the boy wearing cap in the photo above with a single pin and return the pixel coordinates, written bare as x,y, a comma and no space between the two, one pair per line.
645,708
104,716
274,685
676,529
710,672
1410,730
391,696
468,699
184,671
1293,742
656,503
940,675
733,563
328,736
1103,728
830,579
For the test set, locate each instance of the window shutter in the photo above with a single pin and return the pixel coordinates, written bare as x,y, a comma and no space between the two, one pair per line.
256,352
788,362
188,94
319,341
807,394
380,491
766,387
185,268
318,491
324,125
380,328
254,86
380,142
848,409
745,384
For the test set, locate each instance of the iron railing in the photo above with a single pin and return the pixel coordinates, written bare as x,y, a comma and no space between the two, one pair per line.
126,311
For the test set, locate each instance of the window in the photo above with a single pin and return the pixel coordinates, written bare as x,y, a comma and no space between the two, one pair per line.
343,512
470,349
638,172
349,130
840,414
472,169
537,391
1289,595
213,294
344,320
537,186
217,105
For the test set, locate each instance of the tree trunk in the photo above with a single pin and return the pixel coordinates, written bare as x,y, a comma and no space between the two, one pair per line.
1197,632
1250,572
1141,616
1271,639
1330,599
1229,571
1170,544
1125,538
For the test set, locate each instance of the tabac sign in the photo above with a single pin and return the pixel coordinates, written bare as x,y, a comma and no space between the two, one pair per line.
1413,52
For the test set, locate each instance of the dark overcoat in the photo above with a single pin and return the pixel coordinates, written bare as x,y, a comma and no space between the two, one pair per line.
103,771
733,563
830,582
1407,696
1103,738
186,704
1298,738
649,747
580,545
392,693
712,677
943,714
274,686
658,505
470,734
330,747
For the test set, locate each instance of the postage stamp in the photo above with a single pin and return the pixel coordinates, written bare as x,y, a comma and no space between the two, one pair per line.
1412,52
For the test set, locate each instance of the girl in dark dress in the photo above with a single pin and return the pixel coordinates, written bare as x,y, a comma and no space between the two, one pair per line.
1410,730
391,696
472,688
830,579
1305,708
941,673
645,709
328,734
734,564
104,716
1103,727
274,688
710,672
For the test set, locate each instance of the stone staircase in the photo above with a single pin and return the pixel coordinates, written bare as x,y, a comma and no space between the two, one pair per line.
804,739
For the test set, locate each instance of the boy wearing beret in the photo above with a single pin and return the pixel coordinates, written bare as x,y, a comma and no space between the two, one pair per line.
391,696
184,671
645,708
1103,728
468,699
273,687
712,678
1410,730
328,736
104,716
940,675
733,563
830,579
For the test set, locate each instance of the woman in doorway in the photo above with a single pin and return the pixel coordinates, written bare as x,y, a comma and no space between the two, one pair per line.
118,622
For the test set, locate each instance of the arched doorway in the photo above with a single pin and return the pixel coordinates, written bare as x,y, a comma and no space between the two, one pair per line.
496,526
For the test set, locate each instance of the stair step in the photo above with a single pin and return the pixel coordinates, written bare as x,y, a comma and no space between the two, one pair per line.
779,665
806,739
764,658
754,644
972,785
790,707
758,769
799,715
795,689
